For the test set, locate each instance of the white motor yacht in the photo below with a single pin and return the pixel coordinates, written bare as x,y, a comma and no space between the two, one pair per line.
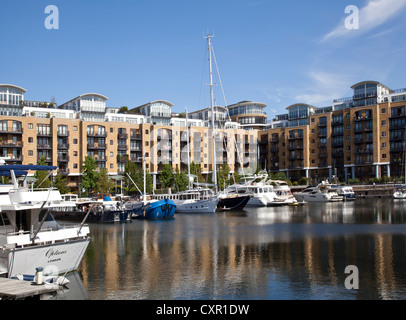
29,236
258,188
323,192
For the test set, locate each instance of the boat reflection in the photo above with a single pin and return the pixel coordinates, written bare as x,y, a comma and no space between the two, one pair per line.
261,253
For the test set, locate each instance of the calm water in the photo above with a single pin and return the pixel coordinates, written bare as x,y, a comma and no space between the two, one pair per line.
259,253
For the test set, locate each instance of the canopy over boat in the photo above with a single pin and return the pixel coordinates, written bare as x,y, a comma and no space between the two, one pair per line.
22,169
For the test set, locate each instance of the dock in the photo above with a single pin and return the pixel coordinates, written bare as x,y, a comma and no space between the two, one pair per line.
12,289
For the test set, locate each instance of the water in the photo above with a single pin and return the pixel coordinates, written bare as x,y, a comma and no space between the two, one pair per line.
259,253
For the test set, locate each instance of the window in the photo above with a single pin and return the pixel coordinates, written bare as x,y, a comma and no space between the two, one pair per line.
383,144
75,141
75,153
30,139
30,153
383,133
75,128
111,130
75,166
383,110
383,123
30,126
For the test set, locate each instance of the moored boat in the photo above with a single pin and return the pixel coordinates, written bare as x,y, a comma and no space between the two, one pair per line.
30,237
323,192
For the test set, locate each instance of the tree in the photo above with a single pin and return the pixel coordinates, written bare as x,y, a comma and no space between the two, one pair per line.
89,180
138,177
43,180
166,176
222,176
123,109
181,180
61,184
104,183
196,170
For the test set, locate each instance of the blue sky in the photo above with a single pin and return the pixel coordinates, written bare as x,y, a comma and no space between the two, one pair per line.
137,51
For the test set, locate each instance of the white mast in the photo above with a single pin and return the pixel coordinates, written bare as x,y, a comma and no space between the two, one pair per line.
212,115
188,150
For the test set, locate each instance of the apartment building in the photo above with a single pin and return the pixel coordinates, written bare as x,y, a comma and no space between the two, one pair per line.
84,126
358,137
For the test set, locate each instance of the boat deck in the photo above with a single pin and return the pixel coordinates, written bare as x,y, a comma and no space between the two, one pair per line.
18,289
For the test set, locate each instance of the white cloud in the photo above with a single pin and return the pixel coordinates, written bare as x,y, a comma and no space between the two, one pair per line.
324,87
372,15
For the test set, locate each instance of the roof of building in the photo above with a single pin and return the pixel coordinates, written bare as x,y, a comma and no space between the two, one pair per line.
13,86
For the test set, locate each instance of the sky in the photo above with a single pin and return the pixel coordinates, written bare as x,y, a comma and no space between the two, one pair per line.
137,51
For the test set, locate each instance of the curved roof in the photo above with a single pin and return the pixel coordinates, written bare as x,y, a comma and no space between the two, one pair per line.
13,86
370,81
301,104
94,94
247,102
163,101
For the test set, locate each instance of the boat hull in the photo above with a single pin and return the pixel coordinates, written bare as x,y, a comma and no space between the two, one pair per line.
233,203
199,206
54,258
162,209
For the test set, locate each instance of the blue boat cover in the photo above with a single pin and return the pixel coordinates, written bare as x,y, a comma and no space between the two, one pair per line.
20,169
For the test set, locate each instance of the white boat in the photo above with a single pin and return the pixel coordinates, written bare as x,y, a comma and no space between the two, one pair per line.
191,201
346,192
30,237
260,191
323,192
283,193
399,192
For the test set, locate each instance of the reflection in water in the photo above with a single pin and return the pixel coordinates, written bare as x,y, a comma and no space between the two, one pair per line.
261,253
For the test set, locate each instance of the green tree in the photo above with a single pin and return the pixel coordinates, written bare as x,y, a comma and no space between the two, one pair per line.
166,176
90,175
223,176
123,109
43,180
181,181
104,183
196,170
138,177
61,183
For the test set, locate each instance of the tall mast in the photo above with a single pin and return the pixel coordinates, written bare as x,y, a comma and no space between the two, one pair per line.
188,150
212,115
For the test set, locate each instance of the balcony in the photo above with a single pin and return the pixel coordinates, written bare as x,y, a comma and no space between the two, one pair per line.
136,137
63,171
323,165
97,134
122,136
63,158
63,146
122,147
44,146
93,146
63,133
362,118
11,131
11,144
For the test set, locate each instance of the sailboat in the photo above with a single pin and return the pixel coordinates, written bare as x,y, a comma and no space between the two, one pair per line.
30,237
153,209
226,200
194,200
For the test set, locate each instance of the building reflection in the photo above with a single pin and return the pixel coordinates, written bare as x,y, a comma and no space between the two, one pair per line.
250,256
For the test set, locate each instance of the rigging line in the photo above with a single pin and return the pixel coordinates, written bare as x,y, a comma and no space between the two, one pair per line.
228,114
